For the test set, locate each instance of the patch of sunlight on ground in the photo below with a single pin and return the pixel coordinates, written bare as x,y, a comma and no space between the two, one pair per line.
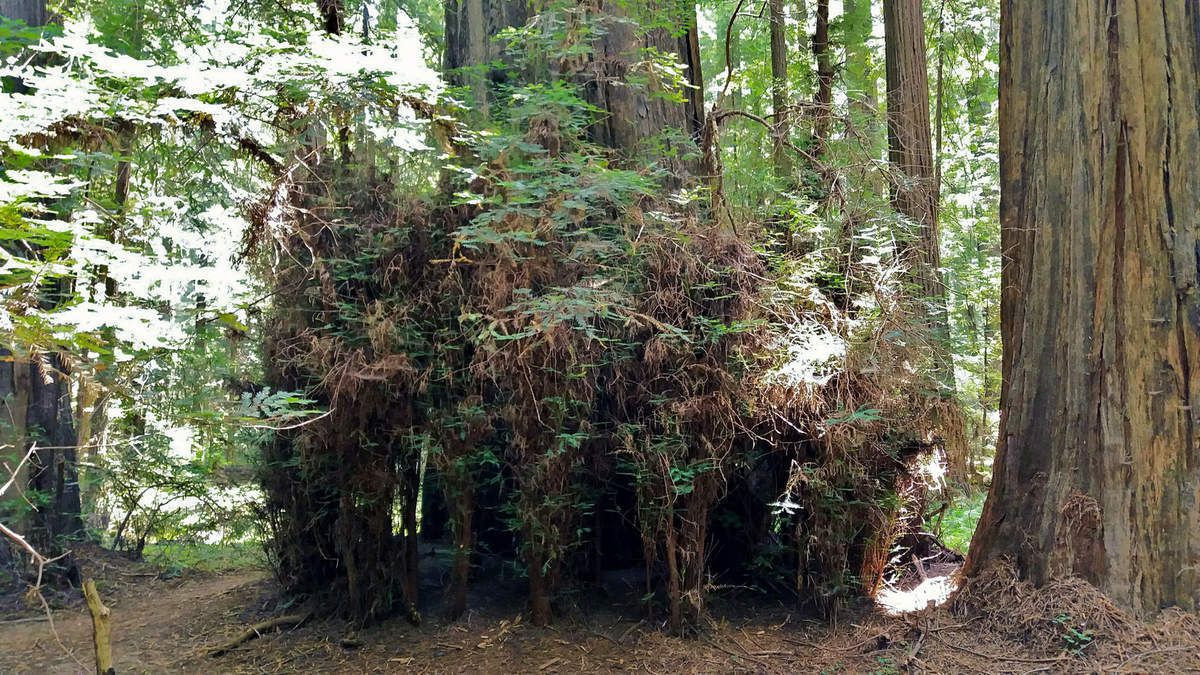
931,592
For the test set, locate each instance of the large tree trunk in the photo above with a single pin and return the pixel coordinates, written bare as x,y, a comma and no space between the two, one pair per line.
1098,468
32,12
52,475
471,28
634,116
914,194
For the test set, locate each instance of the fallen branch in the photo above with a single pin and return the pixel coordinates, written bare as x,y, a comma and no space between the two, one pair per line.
1138,657
997,657
30,619
258,629
915,649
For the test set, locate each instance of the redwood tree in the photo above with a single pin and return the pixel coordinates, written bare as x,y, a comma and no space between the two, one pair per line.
1098,467
779,76
910,149
825,74
915,194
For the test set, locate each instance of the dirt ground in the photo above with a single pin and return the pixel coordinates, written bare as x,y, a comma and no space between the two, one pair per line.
170,625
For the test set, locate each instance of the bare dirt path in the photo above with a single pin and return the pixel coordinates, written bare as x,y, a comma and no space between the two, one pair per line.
168,626
157,625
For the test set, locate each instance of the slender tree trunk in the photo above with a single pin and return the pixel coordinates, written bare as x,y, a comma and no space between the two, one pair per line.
779,98
1097,473
410,486
540,591
460,575
825,74
939,100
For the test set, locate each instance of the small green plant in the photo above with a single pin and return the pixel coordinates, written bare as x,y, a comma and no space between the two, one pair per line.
1075,638
886,666
961,517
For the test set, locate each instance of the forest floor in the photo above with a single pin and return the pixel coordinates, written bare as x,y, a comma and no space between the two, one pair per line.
165,625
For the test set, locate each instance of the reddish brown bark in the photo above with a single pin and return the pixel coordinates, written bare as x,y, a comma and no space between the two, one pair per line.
915,194
1098,467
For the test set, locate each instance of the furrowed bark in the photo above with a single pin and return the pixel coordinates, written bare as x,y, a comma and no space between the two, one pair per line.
1097,473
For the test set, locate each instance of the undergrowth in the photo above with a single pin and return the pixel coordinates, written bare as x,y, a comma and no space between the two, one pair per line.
178,557
592,365
958,524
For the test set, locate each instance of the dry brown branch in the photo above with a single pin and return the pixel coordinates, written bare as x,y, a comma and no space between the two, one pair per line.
35,558
997,657
1164,650
258,629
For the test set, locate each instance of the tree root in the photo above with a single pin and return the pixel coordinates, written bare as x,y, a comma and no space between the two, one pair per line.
258,629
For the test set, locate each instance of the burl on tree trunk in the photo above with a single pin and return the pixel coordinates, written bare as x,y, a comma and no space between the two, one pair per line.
1098,469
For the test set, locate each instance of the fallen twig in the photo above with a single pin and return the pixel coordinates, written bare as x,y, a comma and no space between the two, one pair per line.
258,629
1138,657
28,619
1014,659
851,648
916,648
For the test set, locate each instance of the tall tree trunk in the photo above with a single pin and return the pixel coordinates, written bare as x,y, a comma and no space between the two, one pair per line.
779,98
53,474
471,29
915,194
825,74
32,12
910,150
1097,473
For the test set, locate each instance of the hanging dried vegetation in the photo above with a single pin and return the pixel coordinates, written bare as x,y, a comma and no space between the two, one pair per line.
570,344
